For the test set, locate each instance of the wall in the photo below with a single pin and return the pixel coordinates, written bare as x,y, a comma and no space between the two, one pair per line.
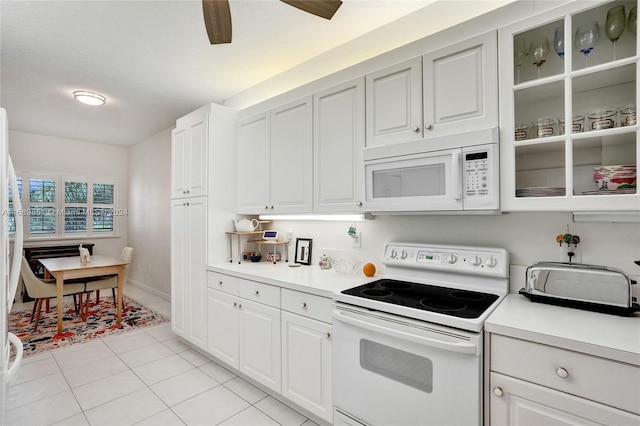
51,154
149,213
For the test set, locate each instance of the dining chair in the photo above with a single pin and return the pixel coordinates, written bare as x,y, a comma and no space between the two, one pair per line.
110,281
40,290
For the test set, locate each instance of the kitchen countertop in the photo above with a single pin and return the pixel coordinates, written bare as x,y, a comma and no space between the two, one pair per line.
306,278
608,336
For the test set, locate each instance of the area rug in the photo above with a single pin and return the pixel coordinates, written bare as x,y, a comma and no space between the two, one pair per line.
101,322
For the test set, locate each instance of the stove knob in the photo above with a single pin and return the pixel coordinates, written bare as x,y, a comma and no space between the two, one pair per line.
452,258
476,261
491,262
403,254
394,253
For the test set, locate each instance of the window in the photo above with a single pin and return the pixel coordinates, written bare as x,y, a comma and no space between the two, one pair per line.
67,206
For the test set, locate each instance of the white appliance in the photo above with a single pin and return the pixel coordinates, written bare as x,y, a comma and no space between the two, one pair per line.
10,271
457,172
408,348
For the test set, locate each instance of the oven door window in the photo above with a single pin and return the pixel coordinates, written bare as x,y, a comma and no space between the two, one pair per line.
418,181
400,366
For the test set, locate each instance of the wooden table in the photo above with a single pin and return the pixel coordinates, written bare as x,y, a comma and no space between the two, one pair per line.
66,268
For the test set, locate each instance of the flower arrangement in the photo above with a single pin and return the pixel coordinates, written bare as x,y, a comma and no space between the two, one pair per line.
571,240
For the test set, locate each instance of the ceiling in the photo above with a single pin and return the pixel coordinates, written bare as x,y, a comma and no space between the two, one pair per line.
152,59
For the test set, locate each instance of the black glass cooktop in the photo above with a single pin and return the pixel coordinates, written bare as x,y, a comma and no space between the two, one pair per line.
448,301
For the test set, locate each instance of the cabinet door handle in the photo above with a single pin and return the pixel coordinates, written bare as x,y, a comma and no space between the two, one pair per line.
561,372
257,292
235,305
220,283
359,204
415,129
497,391
327,335
266,207
303,305
428,126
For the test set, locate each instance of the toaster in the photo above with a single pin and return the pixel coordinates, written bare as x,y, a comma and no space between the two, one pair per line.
591,287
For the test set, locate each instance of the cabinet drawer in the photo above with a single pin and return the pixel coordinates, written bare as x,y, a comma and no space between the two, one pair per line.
260,292
308,305
225,283
609,382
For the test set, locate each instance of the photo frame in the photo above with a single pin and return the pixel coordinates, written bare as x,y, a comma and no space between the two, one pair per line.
303,251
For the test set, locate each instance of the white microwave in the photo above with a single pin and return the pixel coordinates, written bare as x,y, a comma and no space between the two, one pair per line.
455,173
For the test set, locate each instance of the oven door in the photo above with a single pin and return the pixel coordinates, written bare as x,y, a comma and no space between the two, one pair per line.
416,182
394,370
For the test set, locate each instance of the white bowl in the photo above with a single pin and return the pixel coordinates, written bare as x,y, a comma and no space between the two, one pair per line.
614,177
346,266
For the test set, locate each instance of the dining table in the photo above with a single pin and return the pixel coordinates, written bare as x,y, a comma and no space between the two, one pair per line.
72,268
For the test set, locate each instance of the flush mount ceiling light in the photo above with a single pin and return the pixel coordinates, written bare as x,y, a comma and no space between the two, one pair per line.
89,98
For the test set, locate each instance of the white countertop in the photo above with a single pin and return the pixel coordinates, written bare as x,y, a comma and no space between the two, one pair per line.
609,336
307,278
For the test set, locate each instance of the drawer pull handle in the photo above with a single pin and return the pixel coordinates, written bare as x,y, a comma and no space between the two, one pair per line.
303,305
561,372
257,292
497,391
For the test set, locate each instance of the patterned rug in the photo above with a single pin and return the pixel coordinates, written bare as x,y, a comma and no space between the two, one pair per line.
101,322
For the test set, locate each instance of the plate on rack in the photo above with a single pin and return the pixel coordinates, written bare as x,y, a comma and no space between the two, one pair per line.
610,191
542,191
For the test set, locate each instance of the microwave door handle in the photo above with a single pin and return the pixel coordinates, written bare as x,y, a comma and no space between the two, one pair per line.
460,347
456,175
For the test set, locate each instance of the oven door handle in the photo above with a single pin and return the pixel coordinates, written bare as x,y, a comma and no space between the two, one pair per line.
460,347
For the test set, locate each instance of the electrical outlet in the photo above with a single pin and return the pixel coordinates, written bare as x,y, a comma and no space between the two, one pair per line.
289,234
357,240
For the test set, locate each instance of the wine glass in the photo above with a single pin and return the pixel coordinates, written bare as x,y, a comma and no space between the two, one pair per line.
614,25
519,52
539,50
633,20
558,45
587,36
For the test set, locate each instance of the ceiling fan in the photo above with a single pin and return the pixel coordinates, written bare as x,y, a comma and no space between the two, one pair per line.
217,16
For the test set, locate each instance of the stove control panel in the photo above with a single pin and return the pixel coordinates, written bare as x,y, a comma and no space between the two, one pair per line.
486,261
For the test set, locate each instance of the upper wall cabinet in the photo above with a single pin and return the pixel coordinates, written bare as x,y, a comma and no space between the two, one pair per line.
461,86
568,93
275,160
189,142
338,140
394,103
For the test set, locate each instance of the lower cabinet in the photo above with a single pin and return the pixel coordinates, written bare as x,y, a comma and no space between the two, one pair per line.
533,383
281,338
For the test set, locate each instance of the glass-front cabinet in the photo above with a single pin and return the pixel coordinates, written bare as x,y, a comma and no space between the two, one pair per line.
569,92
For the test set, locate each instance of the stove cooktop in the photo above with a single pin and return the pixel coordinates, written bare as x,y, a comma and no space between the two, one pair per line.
443,300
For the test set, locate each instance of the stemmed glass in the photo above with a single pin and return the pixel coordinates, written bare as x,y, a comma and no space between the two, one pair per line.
539,50
587,36
614,25
633,20
558,45
519,52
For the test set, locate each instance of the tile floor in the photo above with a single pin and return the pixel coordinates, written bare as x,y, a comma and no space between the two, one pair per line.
145,377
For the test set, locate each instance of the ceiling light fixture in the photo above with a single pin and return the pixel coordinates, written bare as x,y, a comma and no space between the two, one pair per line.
89,98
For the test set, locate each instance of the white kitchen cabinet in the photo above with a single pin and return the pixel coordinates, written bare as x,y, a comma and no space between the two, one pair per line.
189,143
275,158
223,329
188,274
545,164
533,383
338,140
254,182
394,103
307,351
460,84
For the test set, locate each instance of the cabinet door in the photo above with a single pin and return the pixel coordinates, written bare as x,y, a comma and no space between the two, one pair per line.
260,343
394,103
292,157
461,86
223,327
338,140
254,164
179,292
198,138
306,363
179,156
195,278
516,402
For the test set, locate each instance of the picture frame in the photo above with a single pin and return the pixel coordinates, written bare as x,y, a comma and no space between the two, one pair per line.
303,251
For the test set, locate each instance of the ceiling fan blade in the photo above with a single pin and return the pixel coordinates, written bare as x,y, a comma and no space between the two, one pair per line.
217,20
322,8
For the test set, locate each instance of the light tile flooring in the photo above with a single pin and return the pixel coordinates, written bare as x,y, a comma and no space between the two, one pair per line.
145,377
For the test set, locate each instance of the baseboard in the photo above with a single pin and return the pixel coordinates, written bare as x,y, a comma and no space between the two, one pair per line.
151,290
